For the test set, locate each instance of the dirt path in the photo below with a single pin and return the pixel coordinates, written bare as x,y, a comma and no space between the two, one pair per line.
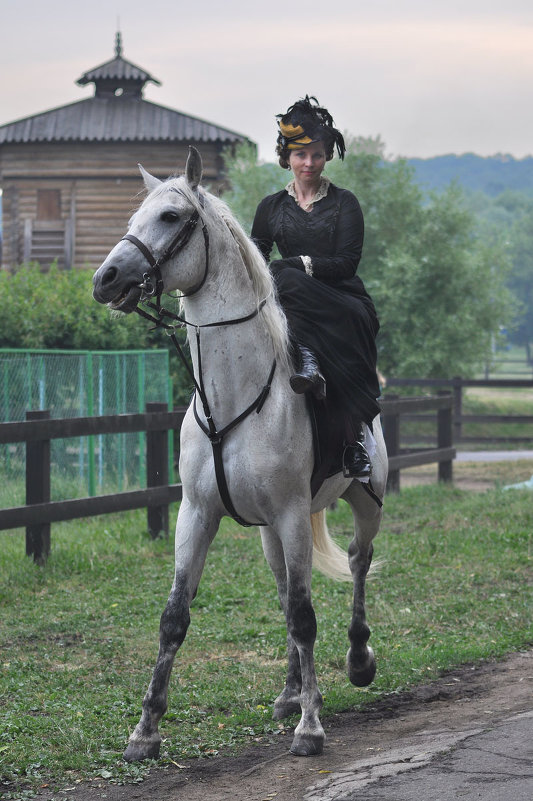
473,698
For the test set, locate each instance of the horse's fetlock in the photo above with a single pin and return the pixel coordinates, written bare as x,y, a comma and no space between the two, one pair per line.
358,633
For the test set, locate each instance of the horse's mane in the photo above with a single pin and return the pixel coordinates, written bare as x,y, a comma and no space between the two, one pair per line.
256,267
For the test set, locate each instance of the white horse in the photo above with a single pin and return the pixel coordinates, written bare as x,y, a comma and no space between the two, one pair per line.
193,244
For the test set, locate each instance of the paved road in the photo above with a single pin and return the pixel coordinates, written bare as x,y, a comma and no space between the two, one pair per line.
493,763
492,456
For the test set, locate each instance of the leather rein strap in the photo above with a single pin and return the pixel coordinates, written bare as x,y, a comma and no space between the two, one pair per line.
216,438
151,290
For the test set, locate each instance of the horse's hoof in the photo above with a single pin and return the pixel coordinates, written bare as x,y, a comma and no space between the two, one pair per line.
361,675
137,750
284,709
307,745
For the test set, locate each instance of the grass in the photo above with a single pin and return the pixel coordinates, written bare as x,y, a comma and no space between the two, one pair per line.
79,636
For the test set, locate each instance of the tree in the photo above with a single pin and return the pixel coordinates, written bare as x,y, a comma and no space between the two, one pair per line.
509,217
250,181
521,280
438,287
56,310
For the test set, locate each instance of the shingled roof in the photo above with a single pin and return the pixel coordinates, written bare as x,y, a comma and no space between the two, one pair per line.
117,74
116,112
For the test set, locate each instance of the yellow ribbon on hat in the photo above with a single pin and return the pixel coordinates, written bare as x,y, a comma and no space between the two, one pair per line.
295,135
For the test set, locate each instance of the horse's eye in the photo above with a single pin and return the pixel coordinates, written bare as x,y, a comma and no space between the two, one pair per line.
170,216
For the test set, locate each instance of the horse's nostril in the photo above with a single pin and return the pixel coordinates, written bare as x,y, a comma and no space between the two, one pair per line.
109,275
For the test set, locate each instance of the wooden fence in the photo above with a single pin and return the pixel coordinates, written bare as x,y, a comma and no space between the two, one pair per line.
39,429
39,511
393,408
456,386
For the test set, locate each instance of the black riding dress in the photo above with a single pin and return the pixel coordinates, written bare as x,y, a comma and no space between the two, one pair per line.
330,312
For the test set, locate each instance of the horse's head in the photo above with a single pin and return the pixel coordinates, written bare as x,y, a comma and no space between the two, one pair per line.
163,249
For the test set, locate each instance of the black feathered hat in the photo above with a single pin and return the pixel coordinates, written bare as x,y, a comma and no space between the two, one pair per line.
305,122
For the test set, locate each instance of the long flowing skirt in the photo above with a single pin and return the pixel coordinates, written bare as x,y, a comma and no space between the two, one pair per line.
339,323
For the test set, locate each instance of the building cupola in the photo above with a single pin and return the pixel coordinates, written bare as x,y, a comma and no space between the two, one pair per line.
118,77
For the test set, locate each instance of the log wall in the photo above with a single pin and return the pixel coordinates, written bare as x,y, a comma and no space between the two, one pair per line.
100,187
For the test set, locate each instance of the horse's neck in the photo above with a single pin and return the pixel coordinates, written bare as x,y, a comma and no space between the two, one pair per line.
235,359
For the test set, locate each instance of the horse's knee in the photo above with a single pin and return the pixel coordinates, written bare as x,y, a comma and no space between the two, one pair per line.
175,618
301,621
360,555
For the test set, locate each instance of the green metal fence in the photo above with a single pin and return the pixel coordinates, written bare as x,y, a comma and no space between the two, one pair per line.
80,384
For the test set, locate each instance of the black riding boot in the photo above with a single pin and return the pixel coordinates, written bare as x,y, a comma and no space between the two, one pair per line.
308,378
355,459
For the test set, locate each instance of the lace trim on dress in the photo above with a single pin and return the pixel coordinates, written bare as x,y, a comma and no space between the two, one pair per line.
321,192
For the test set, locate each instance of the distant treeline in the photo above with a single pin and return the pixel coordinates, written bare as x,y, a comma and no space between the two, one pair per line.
491,175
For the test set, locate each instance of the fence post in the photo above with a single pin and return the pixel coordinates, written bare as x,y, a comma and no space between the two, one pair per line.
157,472
445,437
391,432
457,384
38,490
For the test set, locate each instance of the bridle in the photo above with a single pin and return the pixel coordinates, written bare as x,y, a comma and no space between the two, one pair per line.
177,243
152,288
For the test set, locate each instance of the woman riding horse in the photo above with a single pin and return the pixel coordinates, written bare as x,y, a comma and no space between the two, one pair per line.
319,229
246,425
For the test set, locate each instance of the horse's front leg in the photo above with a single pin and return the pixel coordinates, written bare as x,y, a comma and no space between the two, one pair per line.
288,701
297,542
193,537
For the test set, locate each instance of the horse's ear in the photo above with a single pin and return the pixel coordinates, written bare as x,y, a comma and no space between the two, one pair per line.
193,168
150,181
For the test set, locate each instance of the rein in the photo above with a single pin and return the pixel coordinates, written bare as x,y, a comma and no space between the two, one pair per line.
151,290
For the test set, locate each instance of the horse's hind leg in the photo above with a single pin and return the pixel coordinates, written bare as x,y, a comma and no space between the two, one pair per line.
192,542
288,702
360,661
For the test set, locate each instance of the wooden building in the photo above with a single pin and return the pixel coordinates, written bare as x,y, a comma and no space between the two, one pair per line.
69,175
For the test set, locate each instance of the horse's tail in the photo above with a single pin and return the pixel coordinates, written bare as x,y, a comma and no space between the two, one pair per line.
327,556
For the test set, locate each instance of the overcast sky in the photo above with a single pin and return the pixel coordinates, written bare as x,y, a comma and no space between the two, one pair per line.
429,76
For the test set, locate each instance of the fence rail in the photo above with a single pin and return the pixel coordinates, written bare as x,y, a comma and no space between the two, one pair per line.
38,430
393,407
457,385
39,512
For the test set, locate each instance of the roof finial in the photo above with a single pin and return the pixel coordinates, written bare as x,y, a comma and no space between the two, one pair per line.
118,45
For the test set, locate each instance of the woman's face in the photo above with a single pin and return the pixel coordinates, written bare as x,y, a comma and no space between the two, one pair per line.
308,162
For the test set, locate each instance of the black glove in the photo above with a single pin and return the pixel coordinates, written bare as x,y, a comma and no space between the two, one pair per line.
294,262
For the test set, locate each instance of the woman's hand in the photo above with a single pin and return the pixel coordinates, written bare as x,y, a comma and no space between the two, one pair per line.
292,263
